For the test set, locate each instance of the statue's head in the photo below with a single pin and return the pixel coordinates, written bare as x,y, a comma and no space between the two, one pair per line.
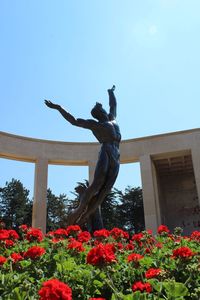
99,113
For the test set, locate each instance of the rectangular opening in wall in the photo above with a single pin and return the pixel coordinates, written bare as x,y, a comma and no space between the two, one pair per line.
61,195
64,179
16,192
178,193
129,175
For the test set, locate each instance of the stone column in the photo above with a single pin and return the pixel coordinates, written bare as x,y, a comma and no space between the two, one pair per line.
196,167
151,209
40,194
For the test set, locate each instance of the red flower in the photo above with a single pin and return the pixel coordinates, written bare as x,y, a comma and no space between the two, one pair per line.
163,228
8,243
100,255
130,246
60,233
76,245
73,229
137,237
4,235
54,289
16,257
147,250
23,228
159,245
195,236
118,246
13,235
34,252
102,233
149,231
152,273
134,257
142,287
34,234
182,252
118,233
84,237
2,260
57,240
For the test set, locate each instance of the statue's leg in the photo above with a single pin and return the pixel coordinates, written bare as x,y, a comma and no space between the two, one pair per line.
96,220
97,200
96,186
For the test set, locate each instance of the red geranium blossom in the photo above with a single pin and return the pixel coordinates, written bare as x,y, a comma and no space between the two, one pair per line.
130,246
34,252
16,257
163,228
73,229
57,240
4,235
54,289
23,228
34,234
2,260
182,252
152,273
137,237
100,255
60,233
102,233
8,243
84,236
195,235
159,245
142,287
134,257
118,233
13,235
76,245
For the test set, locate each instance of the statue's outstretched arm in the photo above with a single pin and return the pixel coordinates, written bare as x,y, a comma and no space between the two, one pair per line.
112,103
89,124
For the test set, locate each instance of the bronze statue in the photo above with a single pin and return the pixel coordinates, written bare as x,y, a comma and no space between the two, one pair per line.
107,132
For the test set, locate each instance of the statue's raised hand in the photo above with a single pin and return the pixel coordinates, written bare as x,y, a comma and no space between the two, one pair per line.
111,90
51,104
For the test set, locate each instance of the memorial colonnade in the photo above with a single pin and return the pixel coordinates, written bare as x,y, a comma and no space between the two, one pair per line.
169,163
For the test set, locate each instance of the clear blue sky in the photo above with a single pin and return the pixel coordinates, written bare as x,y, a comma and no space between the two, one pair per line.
72,51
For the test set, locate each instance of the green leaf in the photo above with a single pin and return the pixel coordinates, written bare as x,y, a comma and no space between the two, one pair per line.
97,283
157,285
16,294
69,265
59,267
146,261
25,263
175,289
121,296
137,296
128,297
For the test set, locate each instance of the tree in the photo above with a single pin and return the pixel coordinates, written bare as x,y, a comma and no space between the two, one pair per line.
110,210
131,209
15,206
56,210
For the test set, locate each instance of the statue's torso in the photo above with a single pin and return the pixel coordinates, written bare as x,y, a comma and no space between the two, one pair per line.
108,132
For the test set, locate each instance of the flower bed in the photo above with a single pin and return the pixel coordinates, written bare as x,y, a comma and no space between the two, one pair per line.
70,264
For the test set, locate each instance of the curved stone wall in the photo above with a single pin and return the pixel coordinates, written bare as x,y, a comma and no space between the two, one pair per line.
145,150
